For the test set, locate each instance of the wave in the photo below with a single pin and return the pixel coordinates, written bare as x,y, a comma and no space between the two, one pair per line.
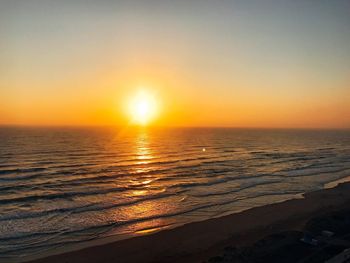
241,188
314,171
110,172
65,195
22,170
222,180
86,208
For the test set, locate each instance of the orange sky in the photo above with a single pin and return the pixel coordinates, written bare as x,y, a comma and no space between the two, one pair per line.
237,65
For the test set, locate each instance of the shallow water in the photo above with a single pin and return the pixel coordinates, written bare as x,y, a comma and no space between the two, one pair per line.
62,186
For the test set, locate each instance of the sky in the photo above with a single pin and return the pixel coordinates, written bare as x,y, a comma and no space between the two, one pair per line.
238,63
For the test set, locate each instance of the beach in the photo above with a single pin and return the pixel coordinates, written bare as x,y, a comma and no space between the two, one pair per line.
199,241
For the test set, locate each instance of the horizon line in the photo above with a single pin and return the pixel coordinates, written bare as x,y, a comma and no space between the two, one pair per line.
2,125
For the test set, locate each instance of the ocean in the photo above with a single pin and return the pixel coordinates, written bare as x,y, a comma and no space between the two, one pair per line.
65,186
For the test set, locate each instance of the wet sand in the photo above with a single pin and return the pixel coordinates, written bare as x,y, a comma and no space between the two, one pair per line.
196,242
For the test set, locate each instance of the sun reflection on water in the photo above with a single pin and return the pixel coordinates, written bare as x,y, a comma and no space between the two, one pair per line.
143,152
145,187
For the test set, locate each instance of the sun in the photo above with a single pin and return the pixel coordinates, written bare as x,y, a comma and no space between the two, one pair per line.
143,108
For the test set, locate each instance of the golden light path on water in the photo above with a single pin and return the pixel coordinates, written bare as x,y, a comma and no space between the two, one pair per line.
146,185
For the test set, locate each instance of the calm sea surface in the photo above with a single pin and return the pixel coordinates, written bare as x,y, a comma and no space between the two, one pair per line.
61,186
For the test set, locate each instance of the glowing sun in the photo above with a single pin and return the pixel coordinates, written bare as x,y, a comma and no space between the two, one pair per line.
143,108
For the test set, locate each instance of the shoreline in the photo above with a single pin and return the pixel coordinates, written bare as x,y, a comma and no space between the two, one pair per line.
198,241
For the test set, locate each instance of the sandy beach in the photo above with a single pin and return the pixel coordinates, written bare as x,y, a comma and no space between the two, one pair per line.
197,242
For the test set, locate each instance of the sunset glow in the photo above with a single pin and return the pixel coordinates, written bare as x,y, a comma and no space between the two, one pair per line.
256,64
